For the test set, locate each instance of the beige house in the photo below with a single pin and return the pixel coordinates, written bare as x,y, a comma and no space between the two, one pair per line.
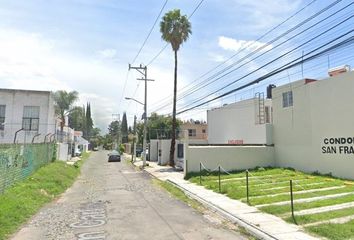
196,130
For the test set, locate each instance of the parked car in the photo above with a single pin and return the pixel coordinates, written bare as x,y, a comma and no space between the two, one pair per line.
114,156
77,153
95,149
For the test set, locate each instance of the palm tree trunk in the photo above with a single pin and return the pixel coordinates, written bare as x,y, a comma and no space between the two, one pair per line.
173,141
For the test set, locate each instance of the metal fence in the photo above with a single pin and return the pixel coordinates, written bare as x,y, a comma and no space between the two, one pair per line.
18,161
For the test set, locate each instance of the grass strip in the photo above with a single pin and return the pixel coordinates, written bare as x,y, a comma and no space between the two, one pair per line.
278,210
266,200
334,231
318,217
24,199
194,177
179,194
238,192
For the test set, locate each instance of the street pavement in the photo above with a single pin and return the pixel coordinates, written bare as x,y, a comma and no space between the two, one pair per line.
115,201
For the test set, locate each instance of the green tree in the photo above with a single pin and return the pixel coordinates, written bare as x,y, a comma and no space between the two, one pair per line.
140,132
64,103
175,29
96,138
124,128
77,118
160,126
113,128
89,122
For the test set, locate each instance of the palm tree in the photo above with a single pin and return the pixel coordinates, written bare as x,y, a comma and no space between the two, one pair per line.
63,104
175,29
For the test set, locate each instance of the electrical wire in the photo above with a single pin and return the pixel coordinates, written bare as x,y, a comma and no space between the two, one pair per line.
272,61
164,47
283,68
211,79
248,45
152,28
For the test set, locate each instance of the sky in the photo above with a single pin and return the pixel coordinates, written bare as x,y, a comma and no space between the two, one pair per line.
86,45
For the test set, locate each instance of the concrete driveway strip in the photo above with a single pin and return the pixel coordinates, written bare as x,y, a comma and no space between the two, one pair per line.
113,201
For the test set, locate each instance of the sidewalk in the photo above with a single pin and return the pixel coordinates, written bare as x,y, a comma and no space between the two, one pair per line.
259,224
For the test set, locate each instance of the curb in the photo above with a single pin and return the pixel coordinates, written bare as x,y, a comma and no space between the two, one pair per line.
250,228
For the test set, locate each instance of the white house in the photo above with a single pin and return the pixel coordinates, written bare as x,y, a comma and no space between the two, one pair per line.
314,124
245,122
81,144
311,126
26,116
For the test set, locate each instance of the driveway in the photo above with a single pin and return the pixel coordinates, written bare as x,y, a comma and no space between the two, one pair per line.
114,201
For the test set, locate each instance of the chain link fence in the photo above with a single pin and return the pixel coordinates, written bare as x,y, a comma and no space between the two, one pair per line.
18,161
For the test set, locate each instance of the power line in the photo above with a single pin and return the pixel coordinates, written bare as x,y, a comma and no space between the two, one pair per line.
316,66
251,43
268,63
141,48
284,67
164,47
211,79
152,28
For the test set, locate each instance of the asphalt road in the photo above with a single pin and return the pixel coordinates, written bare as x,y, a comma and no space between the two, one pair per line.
114,201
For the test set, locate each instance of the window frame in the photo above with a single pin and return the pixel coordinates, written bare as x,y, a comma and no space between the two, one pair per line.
288,99
191,131
32,125
2,118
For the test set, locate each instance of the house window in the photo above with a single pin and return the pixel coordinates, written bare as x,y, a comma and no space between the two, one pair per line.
287,99
192,132
203,131
2,117
30,120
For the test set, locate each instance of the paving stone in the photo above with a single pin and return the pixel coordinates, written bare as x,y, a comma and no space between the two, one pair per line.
304,200
340,220
325,209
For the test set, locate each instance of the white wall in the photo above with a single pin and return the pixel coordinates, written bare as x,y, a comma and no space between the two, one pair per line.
164,147
229,157
15,100
237,121
62,153
322,109
154,150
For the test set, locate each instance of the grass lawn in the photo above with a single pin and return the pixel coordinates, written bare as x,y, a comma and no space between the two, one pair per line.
25,198
271,186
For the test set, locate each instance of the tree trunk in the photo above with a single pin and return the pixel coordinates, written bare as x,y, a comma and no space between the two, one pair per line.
173,140
62,124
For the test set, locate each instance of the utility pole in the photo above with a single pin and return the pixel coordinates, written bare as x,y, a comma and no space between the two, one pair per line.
143,70
134,143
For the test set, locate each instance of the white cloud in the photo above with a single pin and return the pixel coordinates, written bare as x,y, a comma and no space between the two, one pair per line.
31,61
236,45
262,15
108,53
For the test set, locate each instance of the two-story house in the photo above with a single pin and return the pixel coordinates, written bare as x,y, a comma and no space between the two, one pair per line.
26,116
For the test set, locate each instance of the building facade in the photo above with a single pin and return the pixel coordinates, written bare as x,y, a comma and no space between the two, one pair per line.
314,125
26,116
311,127
197,131
245,122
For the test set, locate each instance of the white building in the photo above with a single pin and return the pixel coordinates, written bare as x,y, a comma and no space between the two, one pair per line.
81,144
245,122
314,125
27,112
311,124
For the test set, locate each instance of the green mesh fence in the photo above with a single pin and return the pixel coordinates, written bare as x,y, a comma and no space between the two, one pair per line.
18,161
